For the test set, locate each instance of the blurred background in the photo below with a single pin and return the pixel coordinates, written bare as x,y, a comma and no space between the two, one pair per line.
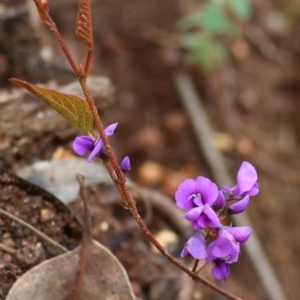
243,57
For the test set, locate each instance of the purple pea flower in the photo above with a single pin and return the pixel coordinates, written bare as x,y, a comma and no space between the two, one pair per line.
194,193
195,247
203,217
220,269
85,144
246,181
125,165
225,247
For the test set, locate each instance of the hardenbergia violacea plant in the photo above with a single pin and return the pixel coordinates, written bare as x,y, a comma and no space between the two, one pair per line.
214,243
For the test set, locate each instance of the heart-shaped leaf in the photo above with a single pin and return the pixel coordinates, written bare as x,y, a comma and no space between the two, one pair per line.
104,278
73,108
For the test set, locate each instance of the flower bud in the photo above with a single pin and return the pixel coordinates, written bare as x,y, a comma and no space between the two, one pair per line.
125,165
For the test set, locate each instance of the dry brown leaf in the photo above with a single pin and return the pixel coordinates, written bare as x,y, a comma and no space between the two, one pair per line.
104,278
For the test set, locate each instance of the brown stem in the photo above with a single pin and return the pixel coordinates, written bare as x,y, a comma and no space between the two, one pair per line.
47,20
201,268
195,265
88,58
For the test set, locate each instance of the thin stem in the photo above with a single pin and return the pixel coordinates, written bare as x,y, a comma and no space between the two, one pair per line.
201,268
88,58
47,20
87,239
7,249
34,230
195,265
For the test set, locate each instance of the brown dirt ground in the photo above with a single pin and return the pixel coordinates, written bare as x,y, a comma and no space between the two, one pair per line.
253,100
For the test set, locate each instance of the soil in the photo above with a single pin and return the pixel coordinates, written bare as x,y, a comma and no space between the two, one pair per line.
252,102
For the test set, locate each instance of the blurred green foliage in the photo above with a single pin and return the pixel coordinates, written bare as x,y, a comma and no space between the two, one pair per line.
203,30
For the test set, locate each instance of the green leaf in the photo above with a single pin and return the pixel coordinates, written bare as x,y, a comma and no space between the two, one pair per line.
241,8
191,21
204,50
71,107
214,20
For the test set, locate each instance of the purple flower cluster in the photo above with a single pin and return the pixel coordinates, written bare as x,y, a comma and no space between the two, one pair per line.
206,206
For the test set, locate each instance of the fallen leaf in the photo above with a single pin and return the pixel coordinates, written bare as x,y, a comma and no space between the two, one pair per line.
104,278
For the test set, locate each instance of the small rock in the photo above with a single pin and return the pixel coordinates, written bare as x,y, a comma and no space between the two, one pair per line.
240,49
46,215
151,173
223,141
166,238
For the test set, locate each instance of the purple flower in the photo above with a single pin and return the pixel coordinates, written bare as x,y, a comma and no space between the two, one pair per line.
225,247
194,193
125,165
220,269
85,144
220,201
203,217
246,181
239,206
195,247
240,234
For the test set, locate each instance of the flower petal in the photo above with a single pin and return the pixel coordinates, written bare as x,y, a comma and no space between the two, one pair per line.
195,246
239,206
183,195
234,256
254,190
96,151
207,189
246,178
223,245
213,220
83,144
220,201
109,130
240,234
194,214
220,270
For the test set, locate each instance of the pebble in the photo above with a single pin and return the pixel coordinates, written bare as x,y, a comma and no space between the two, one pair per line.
46,215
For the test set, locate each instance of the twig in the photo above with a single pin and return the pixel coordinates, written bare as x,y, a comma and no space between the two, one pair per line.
87,239
34,230
256,35
202,128
7,249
